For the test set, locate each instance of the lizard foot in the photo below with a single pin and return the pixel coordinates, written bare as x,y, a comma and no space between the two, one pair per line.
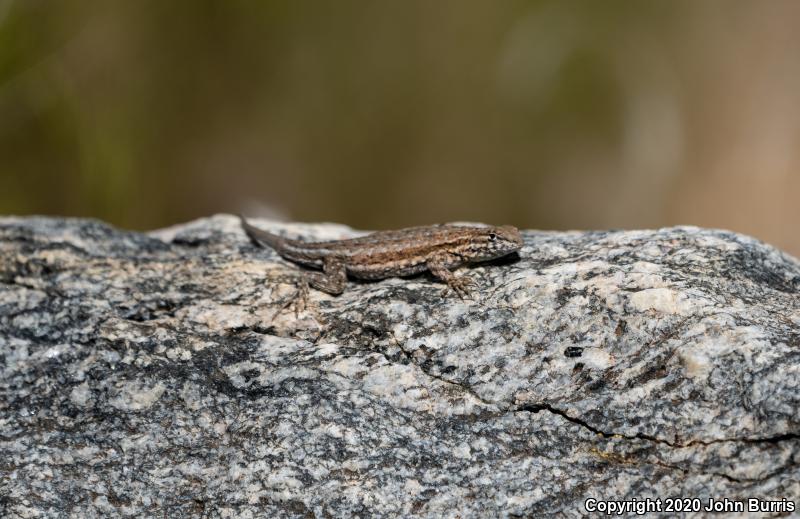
298,301
461,286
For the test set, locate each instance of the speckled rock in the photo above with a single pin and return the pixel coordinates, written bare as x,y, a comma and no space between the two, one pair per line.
174,375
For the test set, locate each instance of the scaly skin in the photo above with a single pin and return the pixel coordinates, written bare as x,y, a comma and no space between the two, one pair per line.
384,254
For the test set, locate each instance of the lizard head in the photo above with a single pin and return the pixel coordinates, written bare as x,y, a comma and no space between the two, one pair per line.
494,242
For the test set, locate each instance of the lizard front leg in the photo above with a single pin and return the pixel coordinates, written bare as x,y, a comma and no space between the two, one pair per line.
437,265
333,278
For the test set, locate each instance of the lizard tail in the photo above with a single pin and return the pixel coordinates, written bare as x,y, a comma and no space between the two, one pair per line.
261,237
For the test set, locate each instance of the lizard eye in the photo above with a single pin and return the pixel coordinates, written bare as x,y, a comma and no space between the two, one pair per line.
492,236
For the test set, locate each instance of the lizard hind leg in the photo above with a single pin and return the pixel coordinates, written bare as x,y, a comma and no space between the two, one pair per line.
332,279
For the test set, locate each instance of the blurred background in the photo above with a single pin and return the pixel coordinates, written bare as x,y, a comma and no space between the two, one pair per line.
541,114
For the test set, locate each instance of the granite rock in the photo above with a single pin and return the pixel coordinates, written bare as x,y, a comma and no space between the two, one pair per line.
176,374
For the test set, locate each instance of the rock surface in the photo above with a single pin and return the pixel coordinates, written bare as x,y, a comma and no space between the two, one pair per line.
173,375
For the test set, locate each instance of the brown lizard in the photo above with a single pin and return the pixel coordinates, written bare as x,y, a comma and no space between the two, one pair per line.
384,254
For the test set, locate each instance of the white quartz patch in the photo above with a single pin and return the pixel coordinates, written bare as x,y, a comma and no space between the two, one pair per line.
134,397
80,394
662,300
220,316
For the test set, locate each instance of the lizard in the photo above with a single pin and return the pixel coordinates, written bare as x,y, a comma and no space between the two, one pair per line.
384,254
